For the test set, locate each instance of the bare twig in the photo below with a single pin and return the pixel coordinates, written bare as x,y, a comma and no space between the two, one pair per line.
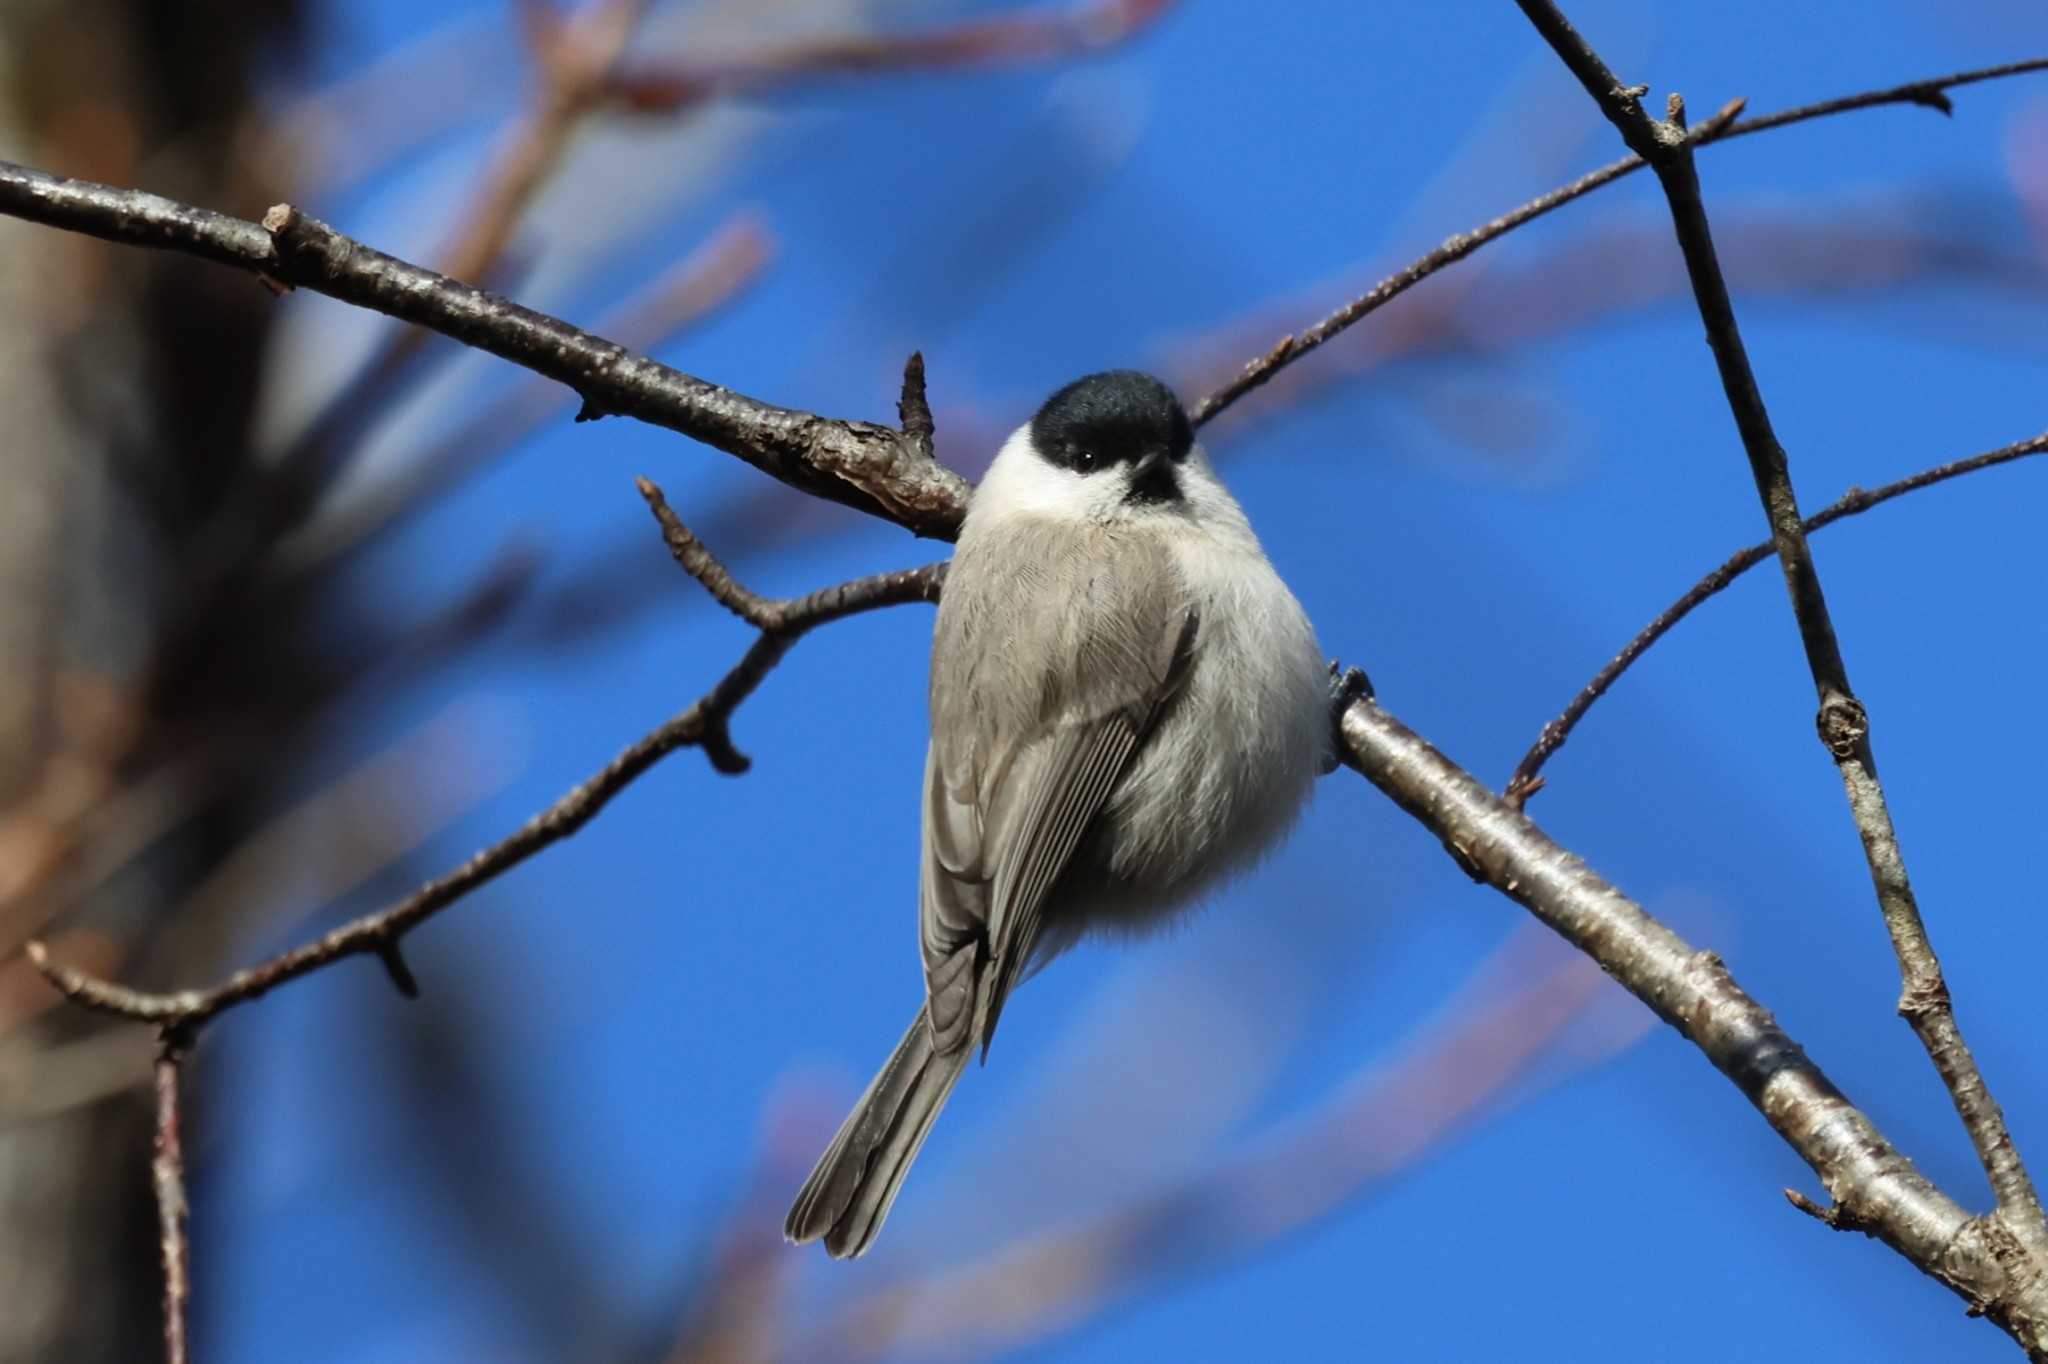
1832,1215
857,463
168,1176
575,58
1930,93
1693,991
697,286
1719,128
704,724
1842,720
1526,780
666,87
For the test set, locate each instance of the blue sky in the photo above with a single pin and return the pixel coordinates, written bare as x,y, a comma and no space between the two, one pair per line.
541,1158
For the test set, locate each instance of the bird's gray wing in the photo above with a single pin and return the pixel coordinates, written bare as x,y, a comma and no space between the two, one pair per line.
999,831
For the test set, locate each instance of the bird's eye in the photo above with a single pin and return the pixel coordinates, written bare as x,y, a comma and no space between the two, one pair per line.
1080,457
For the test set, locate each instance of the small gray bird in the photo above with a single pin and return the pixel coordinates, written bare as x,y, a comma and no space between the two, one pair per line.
1127,705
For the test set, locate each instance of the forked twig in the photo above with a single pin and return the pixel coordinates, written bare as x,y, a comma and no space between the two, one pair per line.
1527,780
1843,721
705,724
1721,127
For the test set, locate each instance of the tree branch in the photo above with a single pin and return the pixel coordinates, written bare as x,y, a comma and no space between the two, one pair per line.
666,87
695,287
1526,780
1875,1185
167,1171
782,622
573,57
862,464
1842,721
1719,128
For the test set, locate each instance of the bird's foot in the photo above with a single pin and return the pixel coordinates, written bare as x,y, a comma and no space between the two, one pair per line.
1346,685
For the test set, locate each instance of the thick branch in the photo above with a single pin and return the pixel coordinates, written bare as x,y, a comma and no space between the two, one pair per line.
861,464
1877,1187
1526,782
1842,721
782,623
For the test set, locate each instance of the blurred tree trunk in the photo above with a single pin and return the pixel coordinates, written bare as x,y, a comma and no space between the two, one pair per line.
126,403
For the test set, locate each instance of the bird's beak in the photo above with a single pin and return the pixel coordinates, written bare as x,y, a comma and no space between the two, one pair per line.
1152,478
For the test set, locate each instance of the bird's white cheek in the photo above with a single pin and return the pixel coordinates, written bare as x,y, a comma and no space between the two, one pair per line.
1020,482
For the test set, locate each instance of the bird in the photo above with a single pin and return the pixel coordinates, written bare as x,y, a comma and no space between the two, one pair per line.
1128,707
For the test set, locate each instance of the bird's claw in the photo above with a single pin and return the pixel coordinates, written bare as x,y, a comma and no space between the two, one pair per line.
1346,685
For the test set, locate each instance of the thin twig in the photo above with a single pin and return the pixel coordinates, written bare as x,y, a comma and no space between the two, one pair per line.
1833,1215
1693,991
1930,94
287,489
1719,128
695,288
574,58
914,408
704,724
1843,721
701,564
1526,780
667,87
167,1171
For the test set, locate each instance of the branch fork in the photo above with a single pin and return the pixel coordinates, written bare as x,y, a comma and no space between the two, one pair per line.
1842,721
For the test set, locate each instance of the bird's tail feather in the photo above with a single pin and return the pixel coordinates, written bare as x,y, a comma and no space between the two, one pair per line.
857,1179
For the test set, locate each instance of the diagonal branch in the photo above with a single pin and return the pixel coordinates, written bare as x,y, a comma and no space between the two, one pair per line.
861,464
782,623
1843,722
573,57
1526,780
1875,1185
1719,128
694,288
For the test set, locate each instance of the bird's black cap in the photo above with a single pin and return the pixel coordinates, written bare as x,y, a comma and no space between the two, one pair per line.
1118,416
